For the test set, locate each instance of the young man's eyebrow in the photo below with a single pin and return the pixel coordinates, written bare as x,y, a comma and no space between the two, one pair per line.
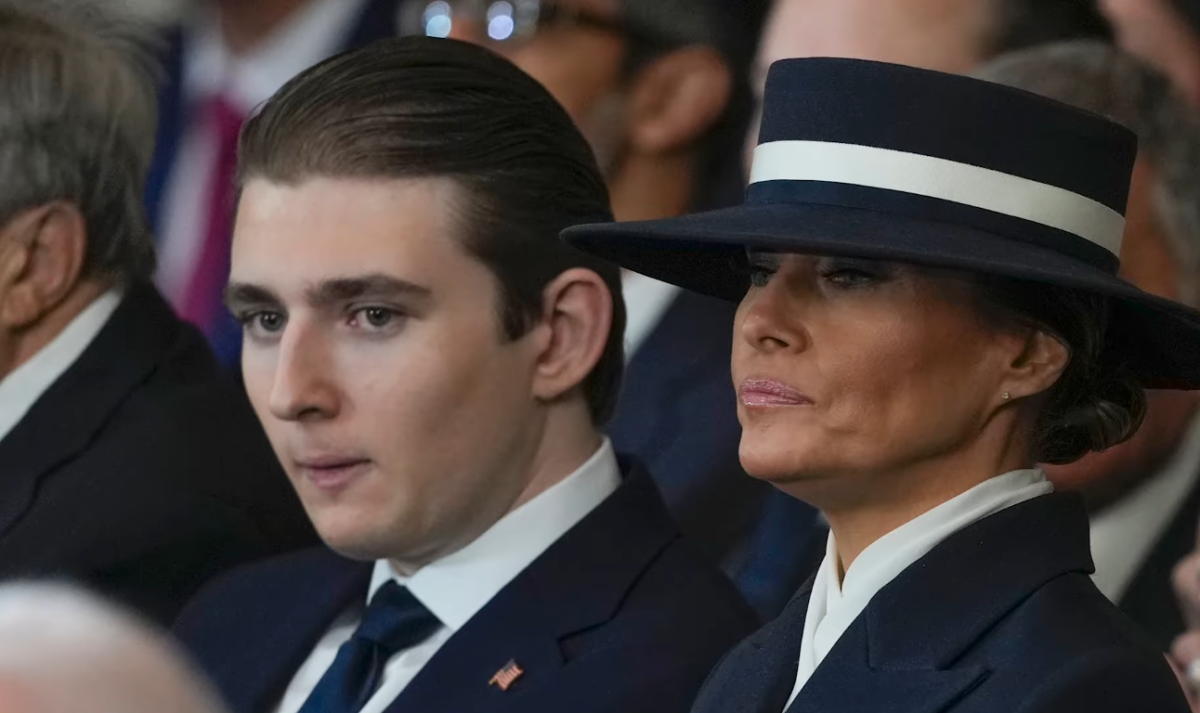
377,285
241,294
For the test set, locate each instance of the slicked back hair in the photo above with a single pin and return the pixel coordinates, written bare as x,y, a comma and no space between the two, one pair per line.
419,107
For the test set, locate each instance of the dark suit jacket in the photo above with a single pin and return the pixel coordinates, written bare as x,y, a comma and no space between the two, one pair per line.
999,618
617,616
678,415
1150,599
379,19
139,472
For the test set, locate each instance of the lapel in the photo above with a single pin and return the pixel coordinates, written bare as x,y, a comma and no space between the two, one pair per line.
901,653
281,629
688,347
77,406
768,666
577,584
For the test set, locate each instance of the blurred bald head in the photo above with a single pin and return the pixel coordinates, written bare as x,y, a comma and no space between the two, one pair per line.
63,651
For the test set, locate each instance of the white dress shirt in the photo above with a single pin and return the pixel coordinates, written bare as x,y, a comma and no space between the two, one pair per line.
458,586
833,605
1124,533
316,31
21,389
646,301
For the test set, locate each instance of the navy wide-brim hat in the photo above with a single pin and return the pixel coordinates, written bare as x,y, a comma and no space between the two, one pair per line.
874,160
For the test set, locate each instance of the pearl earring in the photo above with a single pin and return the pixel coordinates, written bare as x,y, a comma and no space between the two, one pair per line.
1004,396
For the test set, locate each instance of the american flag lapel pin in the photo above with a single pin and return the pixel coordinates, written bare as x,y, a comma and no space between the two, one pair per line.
505,676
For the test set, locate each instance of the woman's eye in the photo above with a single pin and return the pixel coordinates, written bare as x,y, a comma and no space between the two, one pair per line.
849,277
759,276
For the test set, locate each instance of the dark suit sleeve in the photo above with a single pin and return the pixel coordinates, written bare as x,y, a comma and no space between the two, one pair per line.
1110,681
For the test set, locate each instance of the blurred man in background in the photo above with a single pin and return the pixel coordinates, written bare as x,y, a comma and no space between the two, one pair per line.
943,35
123,460
1143,496
224,59
658,87
1165,33
62,651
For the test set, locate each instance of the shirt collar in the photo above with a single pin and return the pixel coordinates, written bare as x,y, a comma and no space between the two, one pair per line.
311,34
21,389
833,607
457,586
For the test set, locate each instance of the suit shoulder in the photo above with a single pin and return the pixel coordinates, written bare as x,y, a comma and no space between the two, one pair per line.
1115,679
683,596
247,587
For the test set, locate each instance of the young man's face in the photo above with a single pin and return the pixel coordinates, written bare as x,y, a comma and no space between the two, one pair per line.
375,359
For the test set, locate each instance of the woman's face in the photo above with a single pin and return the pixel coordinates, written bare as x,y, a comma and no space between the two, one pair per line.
849,370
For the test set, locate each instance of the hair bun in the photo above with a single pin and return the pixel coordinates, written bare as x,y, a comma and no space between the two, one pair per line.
1108,409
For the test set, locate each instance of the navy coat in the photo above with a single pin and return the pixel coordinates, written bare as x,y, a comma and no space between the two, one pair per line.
618,616
999,618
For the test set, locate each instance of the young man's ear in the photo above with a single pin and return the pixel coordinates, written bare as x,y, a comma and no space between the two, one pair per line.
42,253
576,320
677,98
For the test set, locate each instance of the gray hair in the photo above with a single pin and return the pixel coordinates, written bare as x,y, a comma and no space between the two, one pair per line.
78,115
65,651
1100,79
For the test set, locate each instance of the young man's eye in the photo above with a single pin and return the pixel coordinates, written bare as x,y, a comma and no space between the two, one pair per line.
262,322
374,317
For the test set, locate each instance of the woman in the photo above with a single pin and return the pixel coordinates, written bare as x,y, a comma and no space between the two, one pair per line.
926,266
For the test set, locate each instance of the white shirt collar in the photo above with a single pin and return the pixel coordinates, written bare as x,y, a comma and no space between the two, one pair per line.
833,607
21,389
1124,533
313,33
456,587
646,302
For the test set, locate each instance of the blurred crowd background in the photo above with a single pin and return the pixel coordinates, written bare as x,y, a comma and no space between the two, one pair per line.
667,97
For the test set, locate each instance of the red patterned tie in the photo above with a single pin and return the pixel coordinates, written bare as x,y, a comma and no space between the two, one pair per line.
202,301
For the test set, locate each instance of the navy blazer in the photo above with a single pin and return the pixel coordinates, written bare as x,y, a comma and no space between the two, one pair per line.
141,471
999,618
678,415
618,616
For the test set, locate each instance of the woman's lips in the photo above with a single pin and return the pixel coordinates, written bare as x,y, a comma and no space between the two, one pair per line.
770,393
333,474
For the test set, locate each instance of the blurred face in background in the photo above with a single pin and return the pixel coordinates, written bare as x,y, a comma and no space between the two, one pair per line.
944,35
376,360
1158,33
578,57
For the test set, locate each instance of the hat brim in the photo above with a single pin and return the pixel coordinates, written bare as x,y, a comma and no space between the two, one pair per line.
1158,339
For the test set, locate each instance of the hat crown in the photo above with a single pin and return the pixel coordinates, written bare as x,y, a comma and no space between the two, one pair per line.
962,119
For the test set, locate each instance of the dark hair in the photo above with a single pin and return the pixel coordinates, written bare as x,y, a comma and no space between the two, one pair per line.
1097,403
420,107
1026,23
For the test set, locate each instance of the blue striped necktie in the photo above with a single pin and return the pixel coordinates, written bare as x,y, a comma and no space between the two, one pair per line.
394,621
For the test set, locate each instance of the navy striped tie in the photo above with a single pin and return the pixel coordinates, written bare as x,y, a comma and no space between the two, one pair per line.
394,621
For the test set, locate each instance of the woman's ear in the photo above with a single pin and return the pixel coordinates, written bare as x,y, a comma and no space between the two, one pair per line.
1037,368
577,318
677,99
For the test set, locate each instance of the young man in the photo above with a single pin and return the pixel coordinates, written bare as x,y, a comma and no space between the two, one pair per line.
433,368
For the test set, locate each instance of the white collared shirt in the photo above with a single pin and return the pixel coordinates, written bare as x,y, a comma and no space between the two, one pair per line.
21,389
1124,533
313,33
834,606
646,302
455,588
